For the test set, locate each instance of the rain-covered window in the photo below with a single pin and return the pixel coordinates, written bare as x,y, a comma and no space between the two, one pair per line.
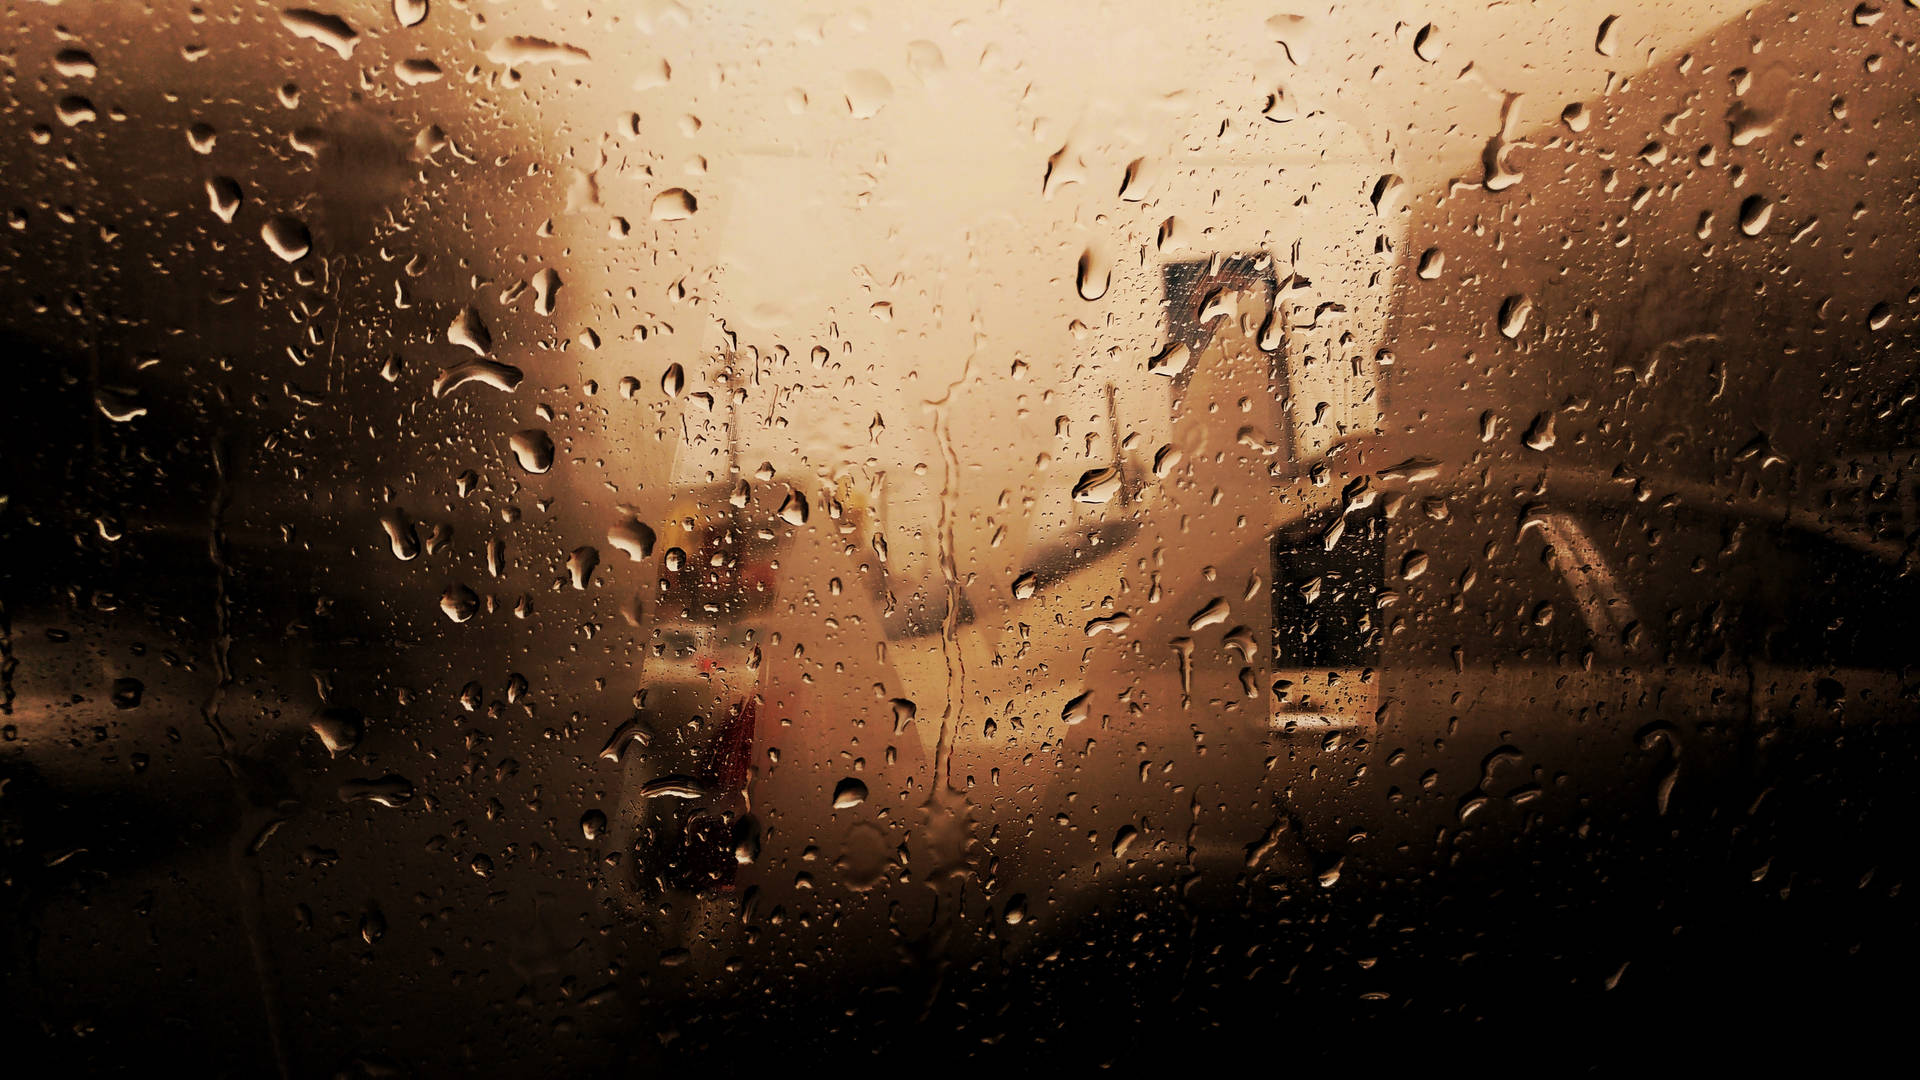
560,538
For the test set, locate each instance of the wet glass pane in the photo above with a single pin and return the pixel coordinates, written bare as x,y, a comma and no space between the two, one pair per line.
578,539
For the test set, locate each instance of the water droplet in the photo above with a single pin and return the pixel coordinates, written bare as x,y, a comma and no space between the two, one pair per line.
339,729
1097,485
581,563
793,509
400,534
673,380
633,732
1539,435
410,12
673,787
1093,275
223,197
1513,315
118,405
1079,710
373,925
1607,41
1123,839
469,330
1213,614
389,790
592,824
459,603
1432,262
1755,212
1170,361
330,31
675,204
75,110
849,793
1025,586
529,51
415,71
1577,117
504,377
868,92
127,692
925,59
533,449
634,538
1746,126
1427,44
1015,912
75,64
903,713
546,285
287,237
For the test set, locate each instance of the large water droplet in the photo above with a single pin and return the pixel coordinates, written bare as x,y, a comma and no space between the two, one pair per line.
533,449
634,538
1607,41
1428,44
223,197
127,691
868,92
400,534
581,563
467,329
1539,434
388,790
287,236
848,793
415,71
339,729
75,64
592,824
673,787
529,51
1213,614
74,110
330,31
485,372
459,603
675,204
546,285
1513,315
1079,710
1097,485
1093,275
